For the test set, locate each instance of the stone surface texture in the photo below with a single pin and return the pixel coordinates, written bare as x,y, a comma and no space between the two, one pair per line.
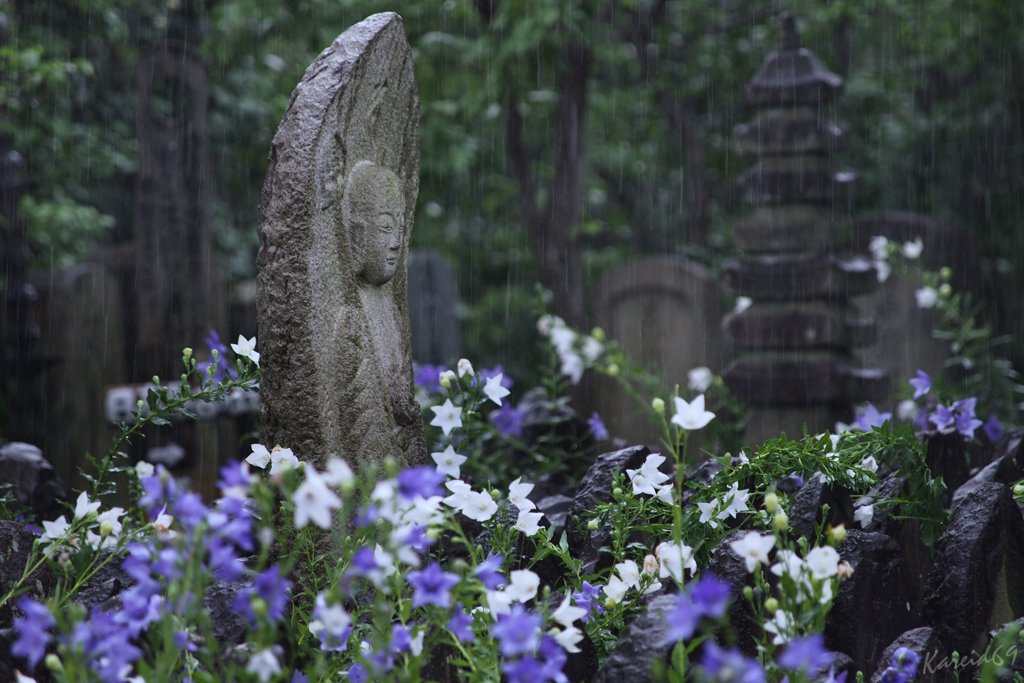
876,604
925,642
641,643
335,220
976,582
15,550
35,482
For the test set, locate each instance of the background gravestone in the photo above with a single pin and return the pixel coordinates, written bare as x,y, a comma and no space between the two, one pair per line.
664,311
433,309
327,336
83,333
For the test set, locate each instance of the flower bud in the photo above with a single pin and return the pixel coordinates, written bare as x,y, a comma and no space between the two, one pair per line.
609,603
770,605
260,607
658,405
771,502
106,528
458,565
650,565
433,533
836,534
597,333
1018,490
613,370
495,494
592,525
53,662
748,592
781,520
187,352
616,492
946,273
945,289
156,380
445,378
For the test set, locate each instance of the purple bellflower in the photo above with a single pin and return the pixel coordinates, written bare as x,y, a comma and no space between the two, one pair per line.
32,631
922,384
871,418
730,665
994,429
807,654
597,427
587,599
420,481
518,632
508,420
432,586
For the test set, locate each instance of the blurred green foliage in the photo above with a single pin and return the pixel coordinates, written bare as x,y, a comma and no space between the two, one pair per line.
933,99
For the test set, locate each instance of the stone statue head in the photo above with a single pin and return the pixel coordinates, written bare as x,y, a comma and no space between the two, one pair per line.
373,212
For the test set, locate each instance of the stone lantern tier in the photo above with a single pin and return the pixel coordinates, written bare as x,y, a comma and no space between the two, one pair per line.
795,366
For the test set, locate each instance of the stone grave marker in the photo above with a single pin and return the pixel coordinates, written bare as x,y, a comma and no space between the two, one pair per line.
664,311
82,348
433,309
335,221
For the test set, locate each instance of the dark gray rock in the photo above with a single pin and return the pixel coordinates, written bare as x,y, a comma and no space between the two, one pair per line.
1002,470
227,625
925,642
556,512
806,510
35,482
105,585
953,457
596,486
977,579
642,643
881,521
15,552
876,604
728,566
579,666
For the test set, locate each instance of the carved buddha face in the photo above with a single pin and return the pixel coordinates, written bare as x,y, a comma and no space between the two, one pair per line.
373,211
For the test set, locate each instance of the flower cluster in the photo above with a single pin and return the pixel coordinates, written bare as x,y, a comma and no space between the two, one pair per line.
575,352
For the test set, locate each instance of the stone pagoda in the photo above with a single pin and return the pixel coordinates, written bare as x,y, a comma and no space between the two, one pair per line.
794,364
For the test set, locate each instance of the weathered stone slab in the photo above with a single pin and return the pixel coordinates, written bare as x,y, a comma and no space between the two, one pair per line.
876,604
433,309
799,130
783,229
665,312
803,378
803,325
977,580
789,278
784,179
335,222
